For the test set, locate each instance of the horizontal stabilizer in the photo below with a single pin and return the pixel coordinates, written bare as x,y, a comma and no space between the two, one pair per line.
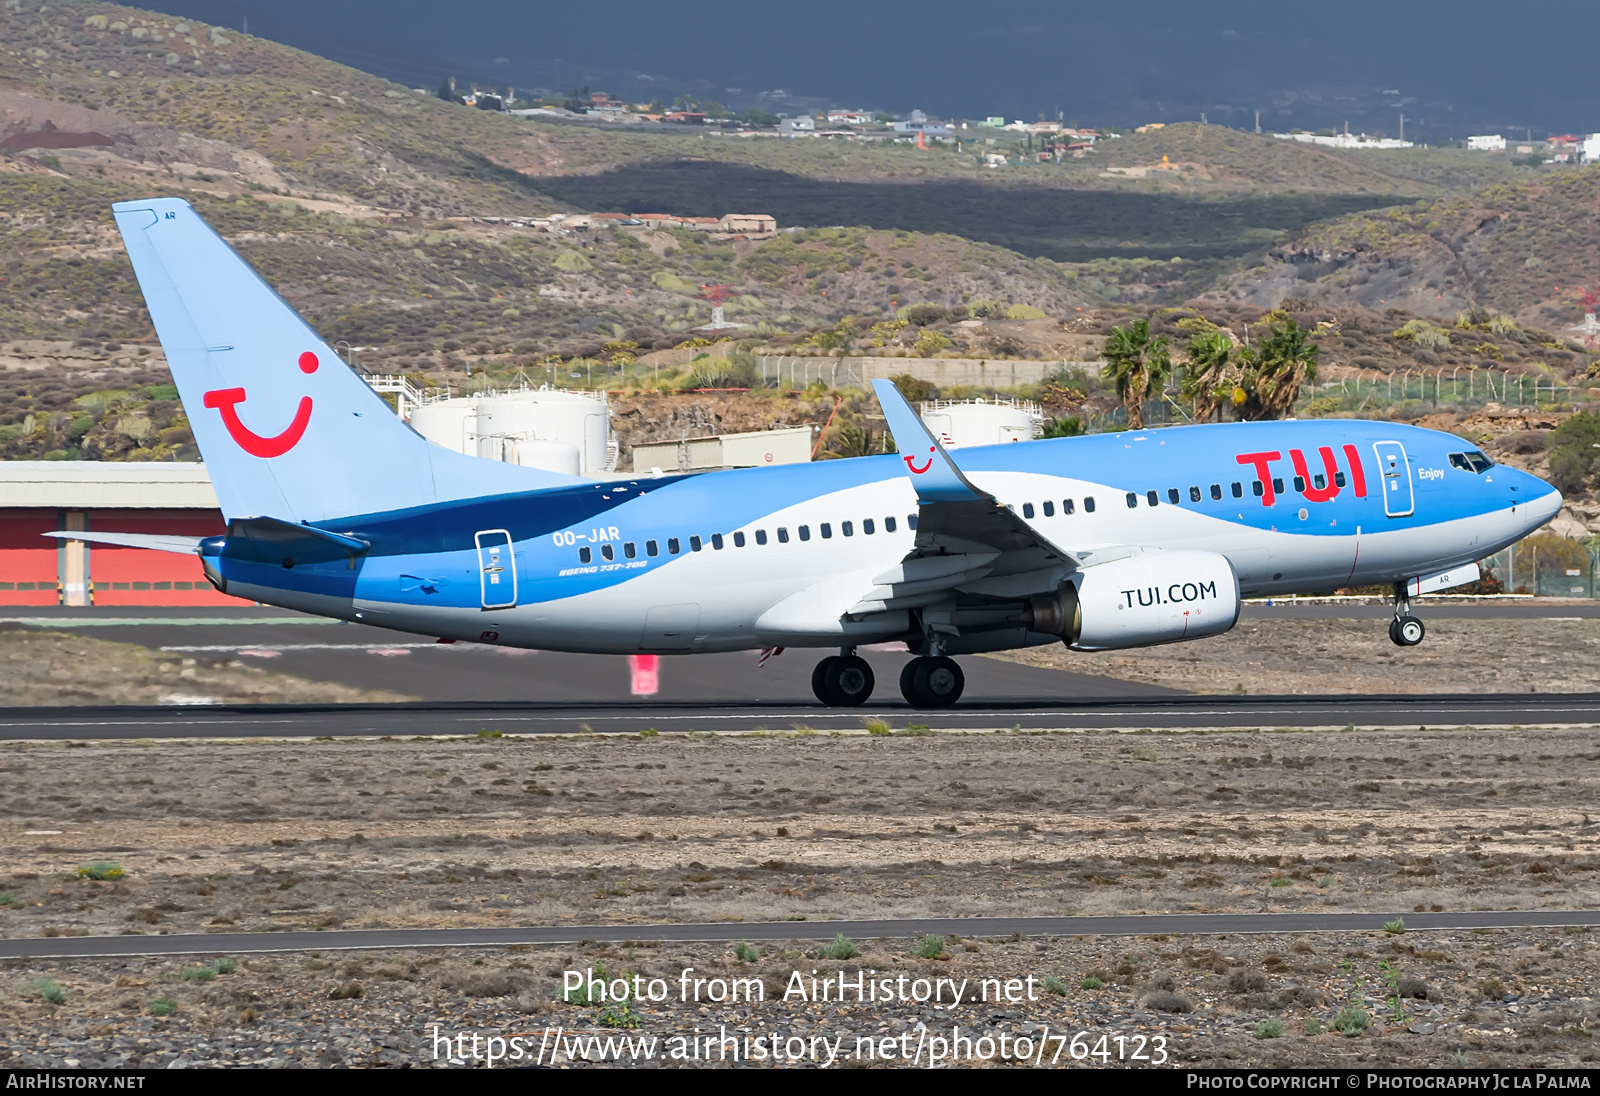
269,540
156,542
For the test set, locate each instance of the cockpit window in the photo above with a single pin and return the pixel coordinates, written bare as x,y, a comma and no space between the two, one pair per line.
1471,462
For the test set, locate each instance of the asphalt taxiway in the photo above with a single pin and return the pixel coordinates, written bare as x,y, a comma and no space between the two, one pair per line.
1174,924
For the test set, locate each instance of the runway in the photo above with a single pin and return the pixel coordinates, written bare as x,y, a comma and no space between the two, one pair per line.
1175,712
1175,924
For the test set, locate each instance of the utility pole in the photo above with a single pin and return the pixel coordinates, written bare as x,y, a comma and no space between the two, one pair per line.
1402,125
1258,121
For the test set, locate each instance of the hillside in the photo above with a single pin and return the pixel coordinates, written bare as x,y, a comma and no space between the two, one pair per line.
1524,250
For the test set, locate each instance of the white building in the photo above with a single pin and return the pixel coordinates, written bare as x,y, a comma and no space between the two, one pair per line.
1344,140
805,124
1591,148
1488,143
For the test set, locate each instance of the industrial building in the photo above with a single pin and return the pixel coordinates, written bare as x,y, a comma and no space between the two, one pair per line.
41,496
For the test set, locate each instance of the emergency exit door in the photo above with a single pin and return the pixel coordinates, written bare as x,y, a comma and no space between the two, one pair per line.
1397,495
497,569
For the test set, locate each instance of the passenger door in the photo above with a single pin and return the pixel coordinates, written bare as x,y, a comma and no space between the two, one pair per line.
497,569
1398,501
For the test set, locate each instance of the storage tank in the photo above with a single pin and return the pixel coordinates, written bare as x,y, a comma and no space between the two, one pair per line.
505,422
450,423
552,456
965,423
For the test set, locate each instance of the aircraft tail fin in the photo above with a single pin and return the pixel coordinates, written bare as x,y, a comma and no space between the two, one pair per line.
285,428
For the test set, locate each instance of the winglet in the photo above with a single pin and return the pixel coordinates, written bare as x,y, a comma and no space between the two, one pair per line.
935,476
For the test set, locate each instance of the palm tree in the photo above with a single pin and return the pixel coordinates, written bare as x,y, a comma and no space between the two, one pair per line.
1283,361
1208,379
1138,364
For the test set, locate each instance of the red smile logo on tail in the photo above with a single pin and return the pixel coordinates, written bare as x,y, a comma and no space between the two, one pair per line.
911,462
226,401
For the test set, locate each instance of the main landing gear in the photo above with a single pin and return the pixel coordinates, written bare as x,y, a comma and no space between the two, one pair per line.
842,681
932,682
845,681
1405,629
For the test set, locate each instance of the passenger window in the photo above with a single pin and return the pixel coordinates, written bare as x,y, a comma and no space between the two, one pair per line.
584,555
1238,490
606,552
1299,483
651,548
1257,487
827,531
1216,490
1067,507
911,522
1153,497
888,525
1088,504
1027,509
761,536
694,544
1133,499
629,550
1049,509
805,532
847,528
1277,485
716,541
1319,481
738,540
868,527
673,548
1338,479
1172,495
783,535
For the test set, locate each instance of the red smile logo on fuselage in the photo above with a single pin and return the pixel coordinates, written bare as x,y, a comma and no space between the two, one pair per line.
911,462
226,401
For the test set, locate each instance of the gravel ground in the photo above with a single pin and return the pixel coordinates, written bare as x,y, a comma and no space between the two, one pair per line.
54,666
1484,999
1554,654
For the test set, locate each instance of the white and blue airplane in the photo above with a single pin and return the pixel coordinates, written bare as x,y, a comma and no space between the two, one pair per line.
338,508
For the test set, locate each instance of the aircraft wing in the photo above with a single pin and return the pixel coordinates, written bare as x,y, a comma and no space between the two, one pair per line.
965,537
158,542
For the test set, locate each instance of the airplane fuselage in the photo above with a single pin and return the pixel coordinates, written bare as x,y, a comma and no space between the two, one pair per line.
780,556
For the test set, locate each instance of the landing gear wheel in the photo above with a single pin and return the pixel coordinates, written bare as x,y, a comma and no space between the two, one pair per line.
1407,631
932,683
842,681
819,677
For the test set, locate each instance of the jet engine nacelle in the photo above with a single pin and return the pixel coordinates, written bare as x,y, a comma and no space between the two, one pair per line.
1156,597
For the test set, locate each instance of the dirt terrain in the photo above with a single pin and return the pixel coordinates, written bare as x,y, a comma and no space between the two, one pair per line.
40,666
247,836
1554,654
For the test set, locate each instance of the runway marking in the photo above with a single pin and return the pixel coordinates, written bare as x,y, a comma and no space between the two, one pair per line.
99,947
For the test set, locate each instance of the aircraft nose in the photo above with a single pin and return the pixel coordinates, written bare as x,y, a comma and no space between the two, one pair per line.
1543,501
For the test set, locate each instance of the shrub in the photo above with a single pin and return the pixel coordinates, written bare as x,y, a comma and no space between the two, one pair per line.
1055,985
9,898
1458,1058
914,390
1024,312
841,948
197,973
1270,1028
746,952
101,871
1395,927
931,947
618,1016
1091,982
878,726
1574,456
50,991
1351,1020
226,965
163,1006
1315,1027
1068,426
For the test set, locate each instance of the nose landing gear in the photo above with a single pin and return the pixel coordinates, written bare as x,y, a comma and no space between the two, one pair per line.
1405,630
932,682
842,681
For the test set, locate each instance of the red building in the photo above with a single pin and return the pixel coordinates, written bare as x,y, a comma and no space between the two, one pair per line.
41,496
